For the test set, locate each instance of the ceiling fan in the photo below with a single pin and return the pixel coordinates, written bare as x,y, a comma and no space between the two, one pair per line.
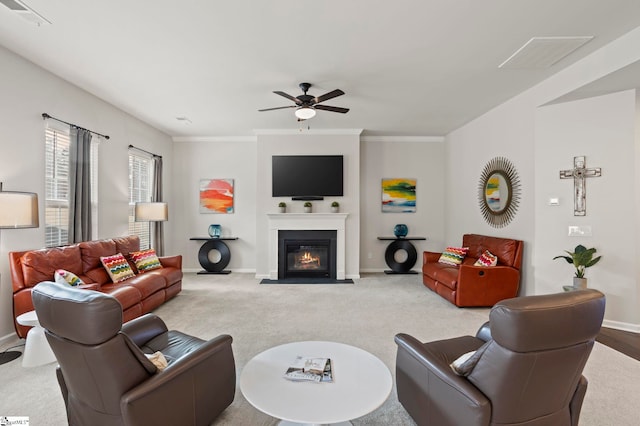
306,105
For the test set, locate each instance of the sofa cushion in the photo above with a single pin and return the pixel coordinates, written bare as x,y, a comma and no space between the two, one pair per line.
126,245
504,248
145,260
444,274
65,277
146,284
453,255
117,267
487,259
92,251
40,265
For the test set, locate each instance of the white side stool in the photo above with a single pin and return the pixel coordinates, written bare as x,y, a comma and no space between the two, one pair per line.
36,349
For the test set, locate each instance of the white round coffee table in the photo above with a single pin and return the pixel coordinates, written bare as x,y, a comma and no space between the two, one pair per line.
36,348
361,383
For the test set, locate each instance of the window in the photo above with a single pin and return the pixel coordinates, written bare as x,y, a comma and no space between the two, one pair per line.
57,186
140,183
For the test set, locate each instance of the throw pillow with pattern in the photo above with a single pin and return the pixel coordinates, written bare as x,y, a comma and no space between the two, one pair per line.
453,255
117,267
487,259
145,260
65,277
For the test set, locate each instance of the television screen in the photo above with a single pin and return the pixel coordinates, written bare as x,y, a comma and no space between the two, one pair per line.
307,175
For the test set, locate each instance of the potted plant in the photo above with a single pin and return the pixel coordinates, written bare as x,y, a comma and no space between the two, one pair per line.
581,258
334,207
307,207
282,206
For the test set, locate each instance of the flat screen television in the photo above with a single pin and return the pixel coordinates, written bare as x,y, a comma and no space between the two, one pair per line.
307,176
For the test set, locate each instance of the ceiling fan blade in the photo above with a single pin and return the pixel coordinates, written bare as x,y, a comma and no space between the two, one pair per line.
288,96
271,109
330,95
332,108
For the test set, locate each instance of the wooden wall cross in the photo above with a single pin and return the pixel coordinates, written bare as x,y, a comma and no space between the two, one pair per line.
579,173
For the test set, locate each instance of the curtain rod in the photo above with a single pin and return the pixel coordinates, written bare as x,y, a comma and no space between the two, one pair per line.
45,116
147,152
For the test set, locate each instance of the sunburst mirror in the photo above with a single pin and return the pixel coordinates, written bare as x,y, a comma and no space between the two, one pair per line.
499,192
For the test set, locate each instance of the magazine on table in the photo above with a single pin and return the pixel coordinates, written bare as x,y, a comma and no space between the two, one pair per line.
310,369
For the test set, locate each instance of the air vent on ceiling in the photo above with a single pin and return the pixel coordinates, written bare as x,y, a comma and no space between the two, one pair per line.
25,12
542,52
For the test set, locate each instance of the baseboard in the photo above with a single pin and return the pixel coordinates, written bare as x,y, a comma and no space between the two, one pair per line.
622,326
9,340
239,271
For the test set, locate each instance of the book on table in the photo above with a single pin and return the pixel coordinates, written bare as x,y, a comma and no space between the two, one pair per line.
311,369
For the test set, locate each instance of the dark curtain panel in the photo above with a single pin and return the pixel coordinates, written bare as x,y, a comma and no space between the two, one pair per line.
158,227
79,185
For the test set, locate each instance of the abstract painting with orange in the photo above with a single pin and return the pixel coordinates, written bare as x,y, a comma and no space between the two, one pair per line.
216,196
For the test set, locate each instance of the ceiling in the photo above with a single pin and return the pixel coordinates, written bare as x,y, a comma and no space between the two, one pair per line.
408,67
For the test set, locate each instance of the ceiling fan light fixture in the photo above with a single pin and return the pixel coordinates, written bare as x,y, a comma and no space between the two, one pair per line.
305,112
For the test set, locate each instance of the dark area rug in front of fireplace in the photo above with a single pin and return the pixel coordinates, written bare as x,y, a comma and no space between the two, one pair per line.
318,280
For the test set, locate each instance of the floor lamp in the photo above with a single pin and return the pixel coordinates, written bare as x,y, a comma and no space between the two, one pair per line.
17,210
151,212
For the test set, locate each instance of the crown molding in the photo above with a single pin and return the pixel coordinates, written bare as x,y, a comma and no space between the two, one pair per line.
355,132
438,139
214,138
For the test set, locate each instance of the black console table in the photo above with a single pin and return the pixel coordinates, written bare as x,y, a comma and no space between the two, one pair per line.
400,244
214,244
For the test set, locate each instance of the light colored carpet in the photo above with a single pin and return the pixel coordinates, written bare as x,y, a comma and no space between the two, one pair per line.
366,314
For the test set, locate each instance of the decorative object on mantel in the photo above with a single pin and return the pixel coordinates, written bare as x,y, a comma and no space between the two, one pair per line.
215,231
282,207
499,192
579,173
400,230
307,207
216,196
581,258
335,206
398,195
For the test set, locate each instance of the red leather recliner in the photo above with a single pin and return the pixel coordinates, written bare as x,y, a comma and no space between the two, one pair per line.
468,285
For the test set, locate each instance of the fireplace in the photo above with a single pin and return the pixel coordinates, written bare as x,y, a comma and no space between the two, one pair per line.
306,254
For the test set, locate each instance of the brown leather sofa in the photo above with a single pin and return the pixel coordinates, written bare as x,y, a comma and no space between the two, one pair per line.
468,285
107,380
527,373
137,295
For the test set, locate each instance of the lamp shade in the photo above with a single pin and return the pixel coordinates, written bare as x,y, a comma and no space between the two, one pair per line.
304,113
151,212
18,209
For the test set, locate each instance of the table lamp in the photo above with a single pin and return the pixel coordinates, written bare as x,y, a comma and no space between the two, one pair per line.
17,210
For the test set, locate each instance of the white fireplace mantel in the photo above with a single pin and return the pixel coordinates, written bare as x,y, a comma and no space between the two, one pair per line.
307,221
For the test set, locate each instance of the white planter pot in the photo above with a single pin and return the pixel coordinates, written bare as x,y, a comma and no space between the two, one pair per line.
282,209
334,209
307,209
579,283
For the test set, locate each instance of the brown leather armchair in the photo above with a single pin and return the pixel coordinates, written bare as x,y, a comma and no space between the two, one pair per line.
103,372
527,373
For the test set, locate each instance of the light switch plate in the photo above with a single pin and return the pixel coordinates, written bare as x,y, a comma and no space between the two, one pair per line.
554,201
580,231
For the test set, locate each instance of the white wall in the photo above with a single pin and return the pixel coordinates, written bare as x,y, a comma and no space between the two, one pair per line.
215,158
509,130
27,92
397,157
603,130
340,142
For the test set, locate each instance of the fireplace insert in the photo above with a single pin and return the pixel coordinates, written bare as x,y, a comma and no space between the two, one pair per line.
310,254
